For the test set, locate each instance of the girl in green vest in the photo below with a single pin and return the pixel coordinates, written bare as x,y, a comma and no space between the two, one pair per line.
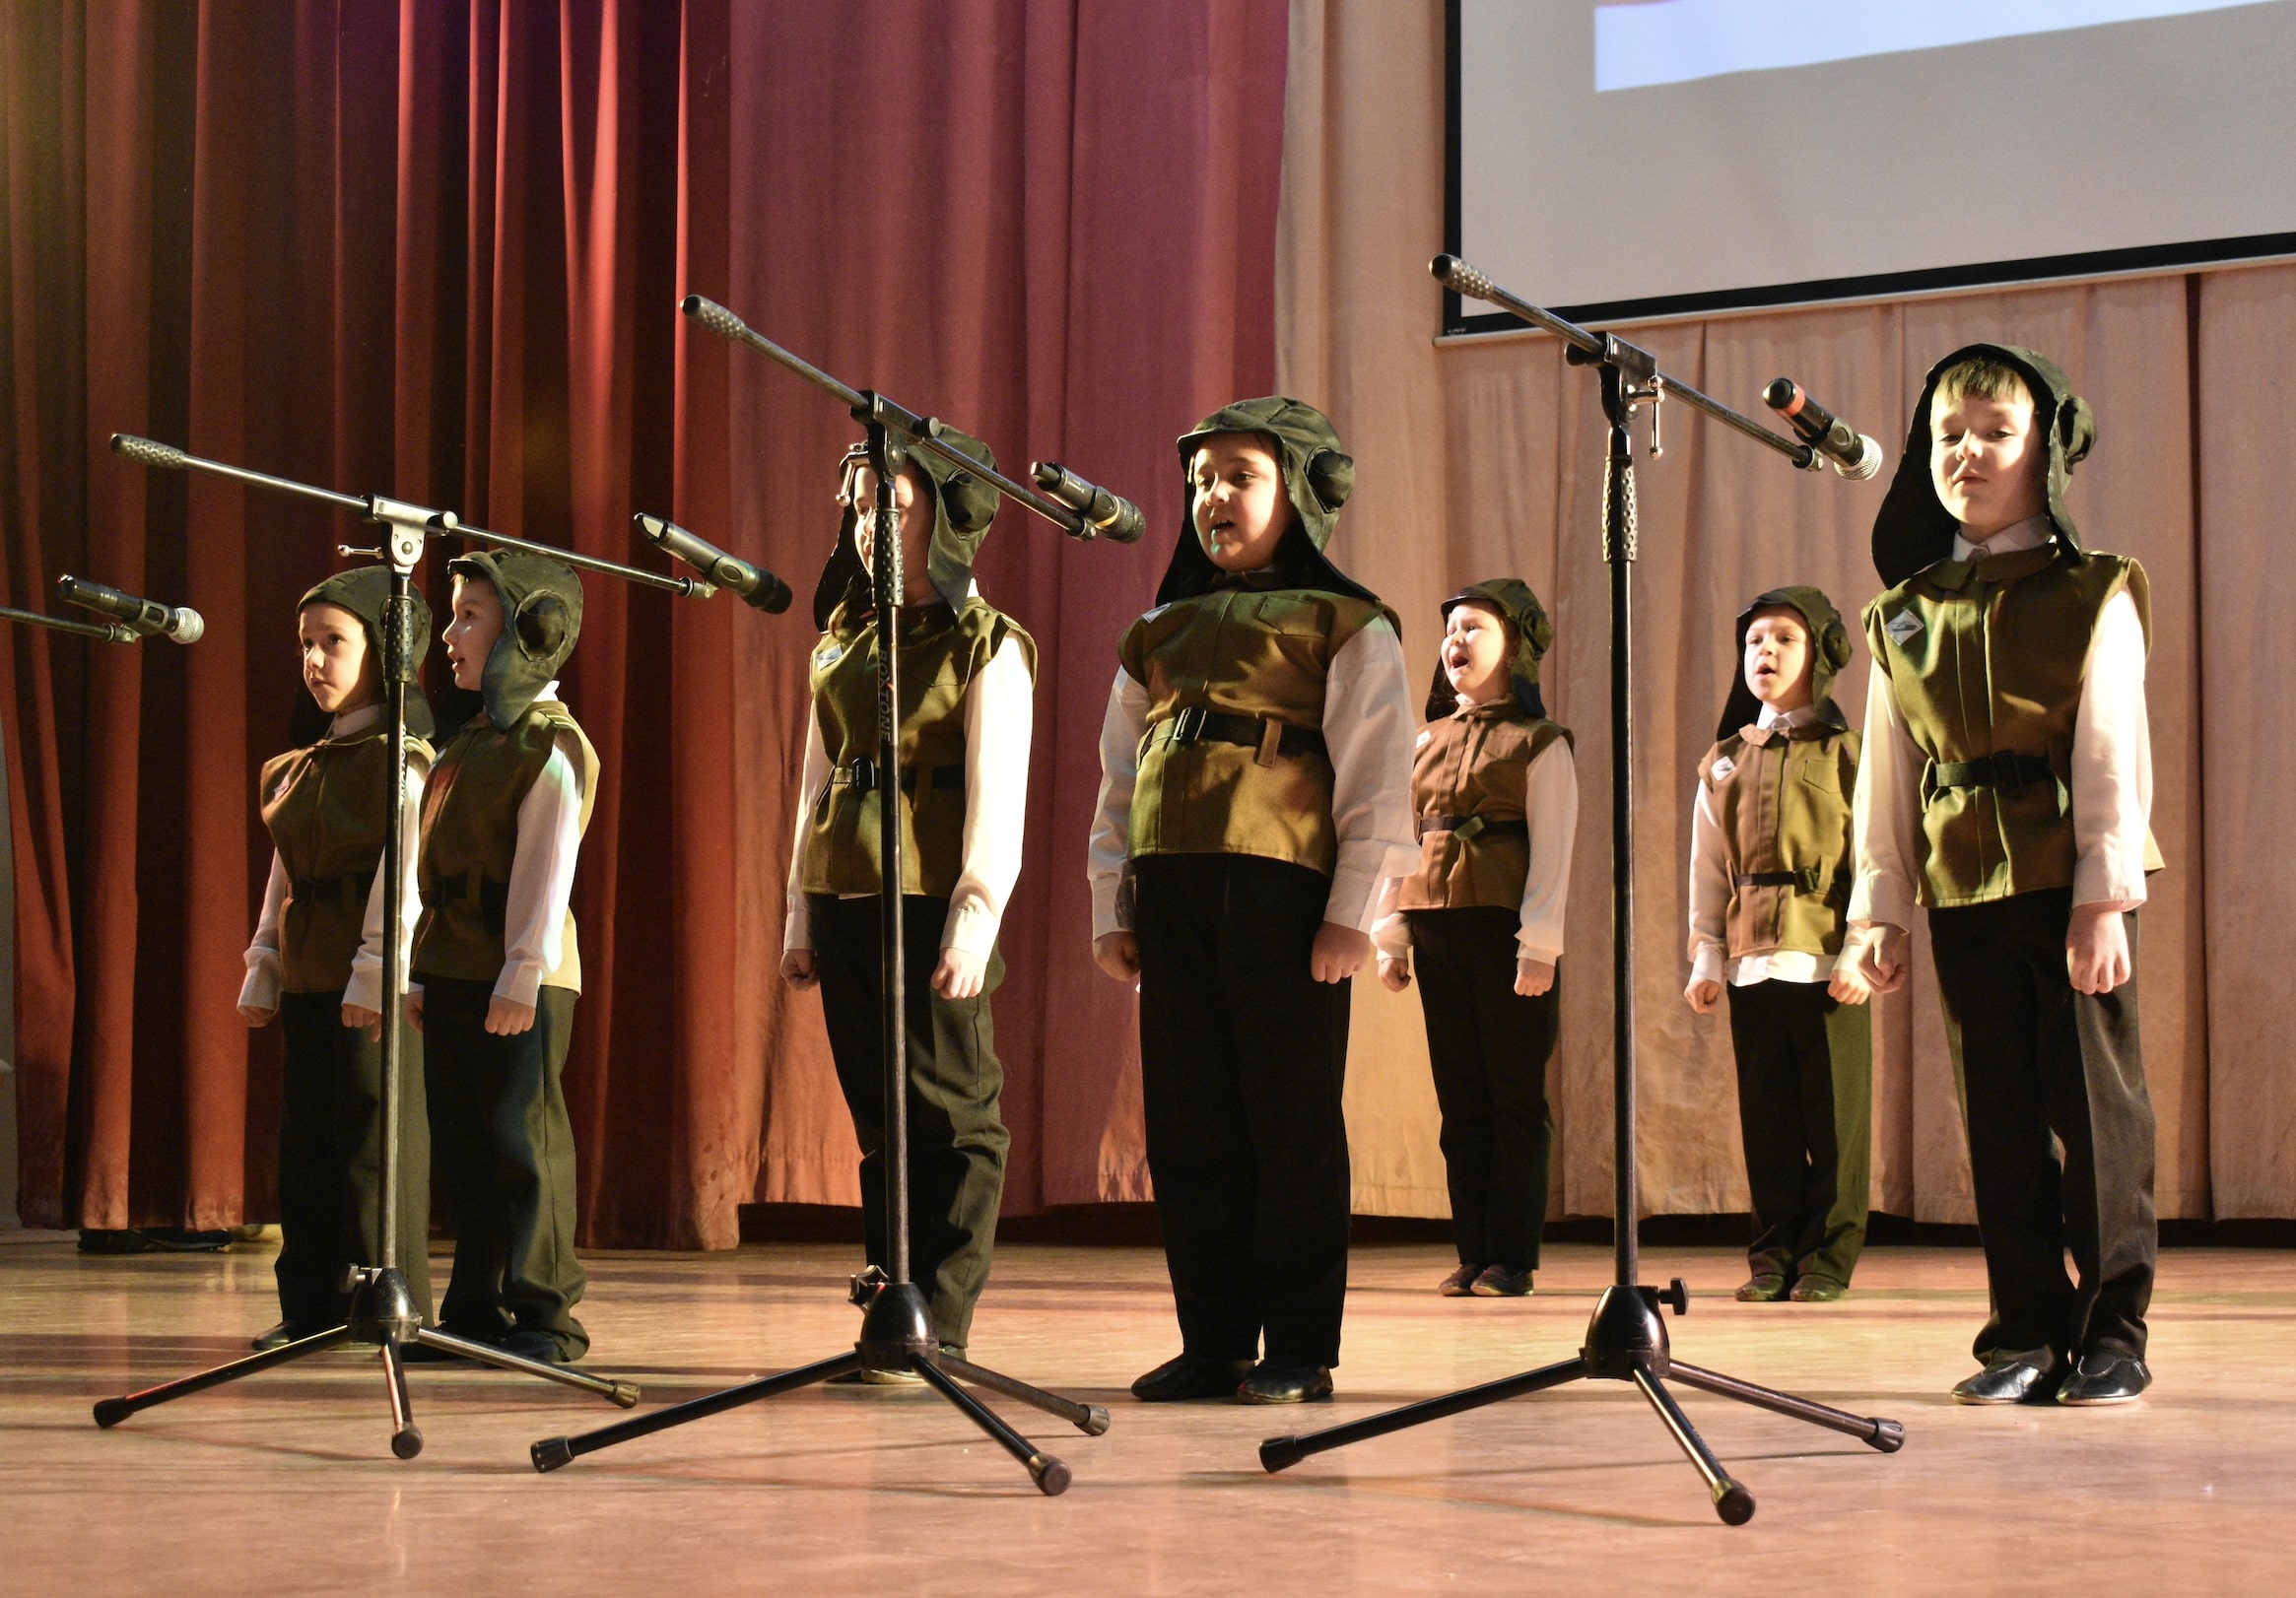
1497,801
315,966
1769,869
968,688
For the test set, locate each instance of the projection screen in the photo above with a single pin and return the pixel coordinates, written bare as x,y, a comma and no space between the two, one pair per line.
1616,160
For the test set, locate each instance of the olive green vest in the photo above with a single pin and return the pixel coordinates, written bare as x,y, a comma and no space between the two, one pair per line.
1783,798
1262,653
1986,658
1470,775
328,810
941,652
470,840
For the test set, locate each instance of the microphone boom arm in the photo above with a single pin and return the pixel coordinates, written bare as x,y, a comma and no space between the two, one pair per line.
923,430
109,632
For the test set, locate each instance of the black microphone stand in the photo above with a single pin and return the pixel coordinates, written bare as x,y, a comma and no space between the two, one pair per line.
1626,1341
381,1309
897,1332
109,632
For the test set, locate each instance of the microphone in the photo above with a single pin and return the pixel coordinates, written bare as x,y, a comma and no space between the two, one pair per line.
1105,516
1855,456
758,587
145,617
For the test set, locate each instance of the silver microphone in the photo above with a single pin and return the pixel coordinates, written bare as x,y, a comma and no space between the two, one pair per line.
757,586
147,617
1855,455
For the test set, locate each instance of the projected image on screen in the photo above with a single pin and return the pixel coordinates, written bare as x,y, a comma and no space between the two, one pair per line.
1614,159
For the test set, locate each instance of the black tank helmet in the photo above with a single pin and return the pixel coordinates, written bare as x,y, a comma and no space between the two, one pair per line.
1319,476
1913,530
1829,652
963,504
542,617
1534,632
363,591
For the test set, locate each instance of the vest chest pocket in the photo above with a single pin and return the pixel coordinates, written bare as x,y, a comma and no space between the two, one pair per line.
1821,776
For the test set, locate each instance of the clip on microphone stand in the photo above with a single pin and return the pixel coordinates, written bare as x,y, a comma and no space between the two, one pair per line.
897,1332
381,1309
1626,1341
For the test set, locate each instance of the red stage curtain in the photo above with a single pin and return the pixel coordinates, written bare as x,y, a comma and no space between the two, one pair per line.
433,247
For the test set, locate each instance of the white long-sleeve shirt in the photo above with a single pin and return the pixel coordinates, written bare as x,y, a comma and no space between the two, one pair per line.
1550,811
260,990
1711,888
1368,726
542,870
999,707
2112,770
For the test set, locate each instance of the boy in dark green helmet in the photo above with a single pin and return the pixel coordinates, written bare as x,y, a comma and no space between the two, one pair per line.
968,684
1496,799
1256,790
1770,871
316,965
2006,788
496,969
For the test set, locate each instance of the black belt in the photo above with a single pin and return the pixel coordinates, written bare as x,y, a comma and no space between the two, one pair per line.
351,884
2005,770
1195,724
1463,828
1809,880
473,890
862,773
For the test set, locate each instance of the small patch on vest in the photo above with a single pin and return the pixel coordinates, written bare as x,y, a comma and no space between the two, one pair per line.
1724,767
1425,737
828,655
1902,626
1151,615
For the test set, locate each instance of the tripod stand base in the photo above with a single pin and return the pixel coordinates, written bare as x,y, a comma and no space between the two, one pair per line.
380,1313
896,1335
1626,1341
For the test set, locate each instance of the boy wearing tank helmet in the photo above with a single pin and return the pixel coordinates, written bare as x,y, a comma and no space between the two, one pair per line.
968,684
2006,788
316,965
1497,801
1255,792
1770,871
496,965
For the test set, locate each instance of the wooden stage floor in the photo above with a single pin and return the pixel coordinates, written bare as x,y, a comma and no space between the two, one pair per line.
287,1484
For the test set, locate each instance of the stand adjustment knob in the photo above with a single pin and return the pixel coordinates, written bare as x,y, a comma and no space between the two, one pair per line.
1675,1294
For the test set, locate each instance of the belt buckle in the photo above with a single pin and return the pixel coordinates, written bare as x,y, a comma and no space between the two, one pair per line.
864,773
1188,725
2008,775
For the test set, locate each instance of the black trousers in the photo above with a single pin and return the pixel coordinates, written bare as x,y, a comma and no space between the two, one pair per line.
2034,1057
1243,1057
504,1160
1489,1048
1805,1117
957,1141
330,1161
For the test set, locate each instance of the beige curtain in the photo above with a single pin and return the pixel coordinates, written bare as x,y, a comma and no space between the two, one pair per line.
1483,458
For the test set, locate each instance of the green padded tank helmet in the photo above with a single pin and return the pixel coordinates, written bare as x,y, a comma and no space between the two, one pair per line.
542,617
1912,529
365,591
1829,654
1319,476
963,505
1533,633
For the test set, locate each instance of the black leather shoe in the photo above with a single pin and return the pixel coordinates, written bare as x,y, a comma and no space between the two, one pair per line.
1460,1283
429,1354
286,1332
2009,1381
1816,1290
2105,1378
1763,1290
1502,1282
1191,1375
1285,1383
538,1346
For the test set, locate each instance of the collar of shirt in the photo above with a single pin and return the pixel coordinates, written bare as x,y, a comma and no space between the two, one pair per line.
359,720
2029,534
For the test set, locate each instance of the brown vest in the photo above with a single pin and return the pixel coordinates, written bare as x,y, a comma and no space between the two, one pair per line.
1782,801
327,808
1242,654
470,840
1468,785
941,652
1985,659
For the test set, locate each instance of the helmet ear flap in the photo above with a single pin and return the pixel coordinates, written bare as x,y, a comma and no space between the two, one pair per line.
542,626
1330,477
2076,428
1836,644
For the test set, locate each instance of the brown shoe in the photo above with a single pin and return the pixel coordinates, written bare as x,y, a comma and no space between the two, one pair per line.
1763,1290
1460,1283
1816,1290
1286,1384
1502,1282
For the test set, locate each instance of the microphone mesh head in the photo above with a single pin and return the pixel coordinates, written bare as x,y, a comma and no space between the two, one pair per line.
190,625
147,451
1868,463
716,317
